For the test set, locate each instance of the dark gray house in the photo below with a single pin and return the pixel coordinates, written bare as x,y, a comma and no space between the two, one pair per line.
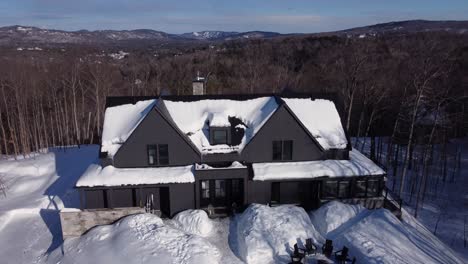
223,152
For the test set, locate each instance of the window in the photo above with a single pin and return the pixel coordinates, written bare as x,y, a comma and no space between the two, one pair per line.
343,190
330,189
372,188
205,189
360,188
282,150
220,188
220,136
158,154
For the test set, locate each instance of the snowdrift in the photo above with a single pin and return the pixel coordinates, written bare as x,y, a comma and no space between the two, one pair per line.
142,238
332,215
267,234
379,237
194,222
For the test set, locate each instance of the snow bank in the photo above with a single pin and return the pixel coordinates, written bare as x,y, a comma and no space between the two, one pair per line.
193,119
95,175
357,165
322,120
119,123
379,237
332,215
267,234
142,238
194,222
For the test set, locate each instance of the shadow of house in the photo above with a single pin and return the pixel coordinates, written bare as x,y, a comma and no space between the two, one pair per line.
70,164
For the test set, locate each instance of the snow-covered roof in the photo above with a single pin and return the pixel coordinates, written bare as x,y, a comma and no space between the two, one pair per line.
95,175
119,123
322,120
193,119
357,165
234,165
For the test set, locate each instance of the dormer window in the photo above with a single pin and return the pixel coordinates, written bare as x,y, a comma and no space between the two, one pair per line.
220,135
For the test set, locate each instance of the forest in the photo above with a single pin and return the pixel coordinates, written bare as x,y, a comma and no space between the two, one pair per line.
412,88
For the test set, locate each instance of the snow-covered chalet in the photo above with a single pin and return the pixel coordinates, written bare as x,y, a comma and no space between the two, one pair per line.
220,153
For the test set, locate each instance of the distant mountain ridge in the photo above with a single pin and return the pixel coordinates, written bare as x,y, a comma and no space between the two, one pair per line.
25,34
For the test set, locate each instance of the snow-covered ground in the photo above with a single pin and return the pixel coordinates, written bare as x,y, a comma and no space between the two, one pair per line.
445,208
41,185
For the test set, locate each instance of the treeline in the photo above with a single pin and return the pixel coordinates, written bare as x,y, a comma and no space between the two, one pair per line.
399,86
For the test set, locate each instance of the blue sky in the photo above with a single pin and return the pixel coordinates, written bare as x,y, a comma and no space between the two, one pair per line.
285,16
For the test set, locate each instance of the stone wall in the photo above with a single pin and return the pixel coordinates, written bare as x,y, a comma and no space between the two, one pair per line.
76,222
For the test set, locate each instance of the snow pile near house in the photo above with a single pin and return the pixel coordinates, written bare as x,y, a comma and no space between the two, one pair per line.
95,175
322,120
332,215
377,236
142,238
357,165
267,234
193,119
194,222
119,123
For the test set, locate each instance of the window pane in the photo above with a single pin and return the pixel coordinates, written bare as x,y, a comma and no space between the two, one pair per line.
151,154
220,189
277,150
373,188
163,154
343,191
220,136
287,149
205,189
360,188
330,189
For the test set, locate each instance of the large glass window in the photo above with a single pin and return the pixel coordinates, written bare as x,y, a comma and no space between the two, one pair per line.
282,149
205,189
330,189
158,154
220,136
343,190
372,188
220,188
360,188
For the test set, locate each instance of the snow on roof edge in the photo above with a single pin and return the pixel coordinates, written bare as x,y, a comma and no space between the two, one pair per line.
96,175
357,165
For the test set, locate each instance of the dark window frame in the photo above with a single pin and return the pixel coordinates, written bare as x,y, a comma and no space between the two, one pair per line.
160,159
285,151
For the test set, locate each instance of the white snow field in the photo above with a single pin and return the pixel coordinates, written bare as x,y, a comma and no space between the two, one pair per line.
39,186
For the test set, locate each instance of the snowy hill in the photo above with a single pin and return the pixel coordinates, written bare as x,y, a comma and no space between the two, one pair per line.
40,185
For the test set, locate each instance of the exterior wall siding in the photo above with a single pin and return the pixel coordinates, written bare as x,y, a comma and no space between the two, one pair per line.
154,129
281,126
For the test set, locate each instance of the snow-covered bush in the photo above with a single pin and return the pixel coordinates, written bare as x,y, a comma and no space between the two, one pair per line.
142,238
332,215
194,222
267,234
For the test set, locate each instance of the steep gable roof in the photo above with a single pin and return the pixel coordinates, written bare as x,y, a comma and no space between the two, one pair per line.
119,123
191,118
